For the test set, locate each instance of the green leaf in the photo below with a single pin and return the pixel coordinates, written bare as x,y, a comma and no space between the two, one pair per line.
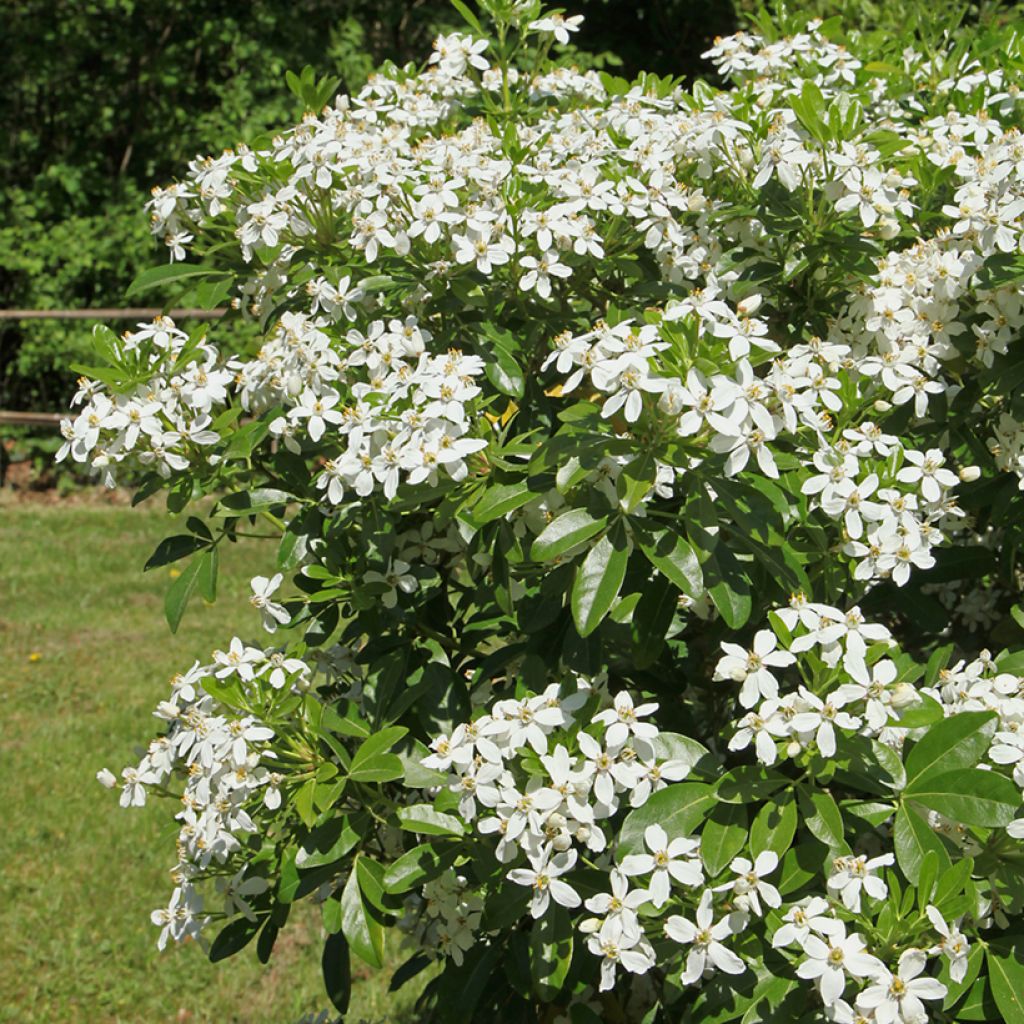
635,481
564,533
233,937
1006,975
207,578
724,835
551,952
959,741
678,809
927,877
414,866
303,801
171,549
372,763
180,591
370,876
676,560
822,817
169,274
968,796
729,587
248,503
337,972
469,17
499,500
505,373
417,963
978,1004
328,843
774,826
913,839
598,581
422,818
652,618
364,934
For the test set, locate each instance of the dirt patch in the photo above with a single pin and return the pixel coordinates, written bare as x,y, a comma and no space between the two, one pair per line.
24,486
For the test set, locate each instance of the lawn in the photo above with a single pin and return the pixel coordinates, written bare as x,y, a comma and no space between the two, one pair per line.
86,656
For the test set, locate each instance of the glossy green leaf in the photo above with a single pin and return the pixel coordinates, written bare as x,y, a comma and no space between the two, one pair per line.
598,581
724,835
337,973
774,827
180,592
364,933
968,796
564,533
678,808
167,275
372,762
412,868
729,587
822,817
551,943
1006,975
232,938
959,741
422,818
498,500
673,557
913,838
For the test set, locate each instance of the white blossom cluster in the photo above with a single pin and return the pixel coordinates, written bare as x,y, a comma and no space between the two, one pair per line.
162,422
740,415
451,915
646,172
227,765
392,410
543,798
867,702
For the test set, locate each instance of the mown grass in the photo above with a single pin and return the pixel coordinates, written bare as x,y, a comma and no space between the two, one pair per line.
85,655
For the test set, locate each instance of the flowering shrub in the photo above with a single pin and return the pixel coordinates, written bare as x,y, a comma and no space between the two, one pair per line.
647,468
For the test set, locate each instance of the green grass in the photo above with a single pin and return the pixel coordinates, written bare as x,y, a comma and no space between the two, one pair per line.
86,655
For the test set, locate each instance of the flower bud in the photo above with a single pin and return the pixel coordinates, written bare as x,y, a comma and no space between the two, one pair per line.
749,306
968,474
903,695
105,777
881,405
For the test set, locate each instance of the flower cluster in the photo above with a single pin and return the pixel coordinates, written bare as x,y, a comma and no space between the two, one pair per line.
229,770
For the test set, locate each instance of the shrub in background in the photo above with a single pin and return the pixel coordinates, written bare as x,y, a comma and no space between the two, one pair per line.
645,466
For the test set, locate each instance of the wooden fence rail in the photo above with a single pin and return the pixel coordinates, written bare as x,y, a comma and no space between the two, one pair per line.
130,313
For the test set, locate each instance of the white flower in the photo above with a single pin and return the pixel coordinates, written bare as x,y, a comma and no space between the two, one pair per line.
620,905
618,947
705,938
623,721
749,887
852,875
952,944
396,578
272,613
801,921
897,999
665,861
828,962
557,25
751,667
540,271
543,878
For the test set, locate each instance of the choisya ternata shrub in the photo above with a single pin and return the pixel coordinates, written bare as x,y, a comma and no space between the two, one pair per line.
646,467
